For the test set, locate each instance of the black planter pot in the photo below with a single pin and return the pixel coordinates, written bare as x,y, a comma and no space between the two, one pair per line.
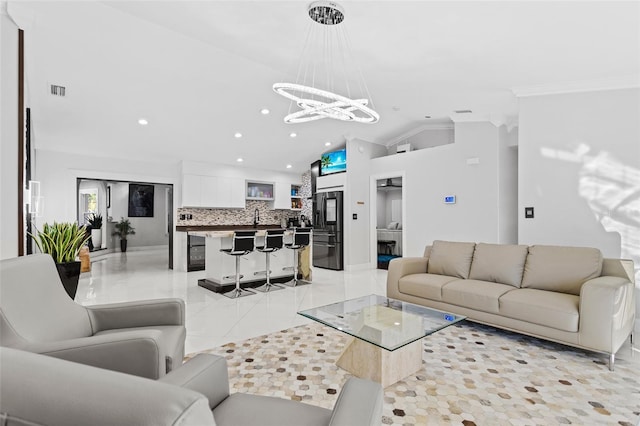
70,275
123,245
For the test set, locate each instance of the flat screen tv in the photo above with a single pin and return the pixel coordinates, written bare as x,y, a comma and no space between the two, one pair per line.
333,162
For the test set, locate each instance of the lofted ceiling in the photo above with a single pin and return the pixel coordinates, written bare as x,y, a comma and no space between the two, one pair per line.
200,71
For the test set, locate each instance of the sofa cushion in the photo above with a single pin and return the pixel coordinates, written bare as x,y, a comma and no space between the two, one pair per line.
499,263
562,269
428,286
480,295
548,308
450,258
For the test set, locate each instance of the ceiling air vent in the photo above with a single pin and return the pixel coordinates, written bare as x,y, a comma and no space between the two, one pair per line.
58,90
463,111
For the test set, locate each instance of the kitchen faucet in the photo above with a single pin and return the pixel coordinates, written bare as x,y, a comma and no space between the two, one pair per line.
256,218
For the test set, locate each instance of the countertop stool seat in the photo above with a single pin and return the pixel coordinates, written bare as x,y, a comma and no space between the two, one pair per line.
242,244
273,241
301,239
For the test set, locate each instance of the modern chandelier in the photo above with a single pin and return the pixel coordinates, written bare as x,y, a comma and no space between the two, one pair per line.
326,61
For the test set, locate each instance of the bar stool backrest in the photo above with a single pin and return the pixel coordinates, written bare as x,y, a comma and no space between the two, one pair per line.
274,239
301,236
243,241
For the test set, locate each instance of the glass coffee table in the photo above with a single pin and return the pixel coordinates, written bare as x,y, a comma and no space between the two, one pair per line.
387,334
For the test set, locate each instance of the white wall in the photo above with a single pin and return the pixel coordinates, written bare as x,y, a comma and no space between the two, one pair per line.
8,135
579,167
357,237
508,185
431,174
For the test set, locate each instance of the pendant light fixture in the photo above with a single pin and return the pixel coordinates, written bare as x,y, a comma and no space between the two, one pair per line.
326,66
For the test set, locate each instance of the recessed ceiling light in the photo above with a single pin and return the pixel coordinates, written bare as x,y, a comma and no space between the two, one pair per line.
288,166
293,134
427,116
239,160
143,122
264,111
238,135
327,143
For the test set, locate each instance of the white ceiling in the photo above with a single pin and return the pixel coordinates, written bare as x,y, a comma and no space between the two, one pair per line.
202,71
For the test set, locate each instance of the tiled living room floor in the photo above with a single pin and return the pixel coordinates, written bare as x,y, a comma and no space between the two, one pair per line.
213,321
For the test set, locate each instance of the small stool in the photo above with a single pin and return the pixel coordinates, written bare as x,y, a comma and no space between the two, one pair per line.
243,243
273,240
301,238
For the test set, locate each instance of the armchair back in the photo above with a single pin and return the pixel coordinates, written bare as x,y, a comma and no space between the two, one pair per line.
34,304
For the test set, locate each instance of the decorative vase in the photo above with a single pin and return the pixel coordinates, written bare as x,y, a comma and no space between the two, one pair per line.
123,245
69,275
96,238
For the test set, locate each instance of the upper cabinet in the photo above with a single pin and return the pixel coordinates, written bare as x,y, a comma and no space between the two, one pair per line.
212,191
260,191
282,200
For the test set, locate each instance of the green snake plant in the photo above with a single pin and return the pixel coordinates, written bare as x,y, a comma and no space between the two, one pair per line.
62,241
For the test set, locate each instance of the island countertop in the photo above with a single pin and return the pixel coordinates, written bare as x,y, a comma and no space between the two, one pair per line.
200,228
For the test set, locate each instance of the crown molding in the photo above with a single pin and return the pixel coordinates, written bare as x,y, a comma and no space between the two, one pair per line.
423,127
612,83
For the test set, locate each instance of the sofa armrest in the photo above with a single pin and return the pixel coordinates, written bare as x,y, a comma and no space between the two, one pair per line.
204,373
142,313
37,389
137,352
400,267
607,313
359,404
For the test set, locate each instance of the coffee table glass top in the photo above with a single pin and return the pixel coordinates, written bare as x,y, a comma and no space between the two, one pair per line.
382,321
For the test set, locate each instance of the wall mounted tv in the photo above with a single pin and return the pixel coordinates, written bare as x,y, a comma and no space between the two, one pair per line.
333,162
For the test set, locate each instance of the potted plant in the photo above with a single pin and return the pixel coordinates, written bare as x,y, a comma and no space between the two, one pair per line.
95,220
63,242
123,228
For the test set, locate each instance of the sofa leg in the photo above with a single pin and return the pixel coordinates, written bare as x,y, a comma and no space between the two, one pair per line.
612,360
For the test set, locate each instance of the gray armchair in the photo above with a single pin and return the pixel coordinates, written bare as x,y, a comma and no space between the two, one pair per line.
143,338
40,390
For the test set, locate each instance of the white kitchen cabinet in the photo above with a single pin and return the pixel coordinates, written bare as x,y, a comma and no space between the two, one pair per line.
212,191
210,195
282,196
191,189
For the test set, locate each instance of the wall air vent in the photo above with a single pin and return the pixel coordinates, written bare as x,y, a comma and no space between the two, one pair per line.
58,90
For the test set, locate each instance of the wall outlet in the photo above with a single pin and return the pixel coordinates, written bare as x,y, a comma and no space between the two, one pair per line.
183,217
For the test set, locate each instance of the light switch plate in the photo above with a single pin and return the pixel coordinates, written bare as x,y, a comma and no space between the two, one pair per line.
528,212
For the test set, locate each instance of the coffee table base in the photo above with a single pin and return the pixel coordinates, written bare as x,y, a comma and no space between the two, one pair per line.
367,361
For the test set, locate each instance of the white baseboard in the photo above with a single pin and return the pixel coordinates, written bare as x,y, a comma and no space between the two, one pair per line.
141,248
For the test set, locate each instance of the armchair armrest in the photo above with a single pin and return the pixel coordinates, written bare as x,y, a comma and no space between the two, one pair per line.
607,313
400,267
359,403
206,374
136,314
137,352
36,389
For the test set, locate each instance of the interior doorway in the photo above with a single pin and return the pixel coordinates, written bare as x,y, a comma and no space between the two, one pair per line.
389,220
147,206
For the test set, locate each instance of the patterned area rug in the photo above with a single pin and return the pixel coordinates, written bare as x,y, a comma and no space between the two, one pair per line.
472,375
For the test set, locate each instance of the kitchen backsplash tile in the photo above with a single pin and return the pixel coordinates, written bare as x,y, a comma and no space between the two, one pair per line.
203,216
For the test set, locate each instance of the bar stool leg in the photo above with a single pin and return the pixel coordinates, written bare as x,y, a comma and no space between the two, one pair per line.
238,291
267,287
295,281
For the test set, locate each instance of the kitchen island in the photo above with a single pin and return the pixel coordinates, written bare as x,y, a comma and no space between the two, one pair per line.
220,267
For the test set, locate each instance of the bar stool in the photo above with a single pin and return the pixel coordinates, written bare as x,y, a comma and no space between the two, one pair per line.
273,240
243,243
301,238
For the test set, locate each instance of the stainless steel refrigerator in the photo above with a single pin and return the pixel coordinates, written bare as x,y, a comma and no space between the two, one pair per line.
328,228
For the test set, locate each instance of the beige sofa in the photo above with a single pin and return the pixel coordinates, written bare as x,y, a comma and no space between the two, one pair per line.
569,295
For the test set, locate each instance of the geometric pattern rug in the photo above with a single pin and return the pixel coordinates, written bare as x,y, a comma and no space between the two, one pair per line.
471,374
